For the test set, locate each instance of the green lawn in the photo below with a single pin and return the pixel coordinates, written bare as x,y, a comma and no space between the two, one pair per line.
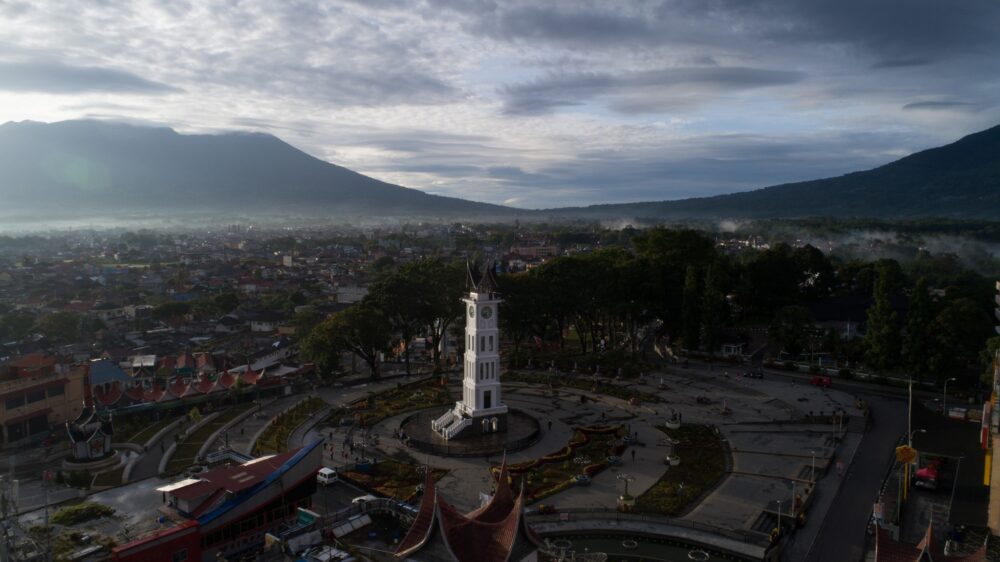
275,437
141,435
406,398
703,464
188,449
109,478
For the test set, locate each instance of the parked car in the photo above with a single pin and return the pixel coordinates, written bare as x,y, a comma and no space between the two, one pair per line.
821,381
327,476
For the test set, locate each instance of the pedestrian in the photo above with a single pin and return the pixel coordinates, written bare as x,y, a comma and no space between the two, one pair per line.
633,455
550,425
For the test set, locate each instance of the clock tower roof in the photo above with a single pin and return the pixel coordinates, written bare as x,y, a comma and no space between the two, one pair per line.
487,281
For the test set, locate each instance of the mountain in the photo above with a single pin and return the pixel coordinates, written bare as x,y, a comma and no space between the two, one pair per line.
95,168
959,180
87,167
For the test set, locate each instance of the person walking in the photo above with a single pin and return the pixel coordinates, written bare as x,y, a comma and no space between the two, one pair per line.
633,455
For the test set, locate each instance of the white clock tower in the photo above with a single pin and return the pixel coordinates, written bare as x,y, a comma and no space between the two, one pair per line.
481,409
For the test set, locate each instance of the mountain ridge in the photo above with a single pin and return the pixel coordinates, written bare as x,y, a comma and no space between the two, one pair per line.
87,166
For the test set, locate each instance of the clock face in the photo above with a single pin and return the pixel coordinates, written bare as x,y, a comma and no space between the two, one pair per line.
472,311
487,312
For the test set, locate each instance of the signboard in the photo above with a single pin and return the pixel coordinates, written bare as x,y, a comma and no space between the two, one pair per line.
906,454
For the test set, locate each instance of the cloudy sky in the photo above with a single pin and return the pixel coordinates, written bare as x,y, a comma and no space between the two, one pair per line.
532,104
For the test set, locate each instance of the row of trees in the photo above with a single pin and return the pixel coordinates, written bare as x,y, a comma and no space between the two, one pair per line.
675,283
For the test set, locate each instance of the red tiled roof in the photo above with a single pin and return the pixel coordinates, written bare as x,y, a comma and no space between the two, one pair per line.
250,377
154,394
178,388
473,540
204,360
227,379
135,393
206,385
110,397
233,479
32,361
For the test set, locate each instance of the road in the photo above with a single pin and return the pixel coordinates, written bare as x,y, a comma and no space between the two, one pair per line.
841,535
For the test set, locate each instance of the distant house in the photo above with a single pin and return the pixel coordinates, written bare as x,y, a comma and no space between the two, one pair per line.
266,321
229,324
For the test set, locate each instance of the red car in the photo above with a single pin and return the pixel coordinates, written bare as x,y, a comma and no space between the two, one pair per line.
821,381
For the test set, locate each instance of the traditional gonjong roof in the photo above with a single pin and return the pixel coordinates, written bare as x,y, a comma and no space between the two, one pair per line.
487,280
496,532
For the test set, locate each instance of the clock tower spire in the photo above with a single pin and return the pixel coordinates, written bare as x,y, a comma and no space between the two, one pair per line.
481,409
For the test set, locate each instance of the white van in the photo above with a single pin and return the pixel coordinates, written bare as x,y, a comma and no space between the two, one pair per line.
326,476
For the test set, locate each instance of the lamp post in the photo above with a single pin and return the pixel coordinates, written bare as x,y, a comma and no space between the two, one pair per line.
812,474
944,397
909,443
779,517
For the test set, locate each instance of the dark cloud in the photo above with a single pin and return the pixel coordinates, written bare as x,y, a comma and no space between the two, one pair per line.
901,63
941,105
58,78
639,92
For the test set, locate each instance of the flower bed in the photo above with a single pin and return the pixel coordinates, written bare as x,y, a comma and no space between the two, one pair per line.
405,398
81,512
392,479
703,465
582,383
554,473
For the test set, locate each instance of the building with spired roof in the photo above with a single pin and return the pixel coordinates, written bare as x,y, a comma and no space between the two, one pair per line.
496,532
481,409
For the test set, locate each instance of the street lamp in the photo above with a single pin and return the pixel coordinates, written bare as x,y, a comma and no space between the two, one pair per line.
812,474
909,443
944,397
779,517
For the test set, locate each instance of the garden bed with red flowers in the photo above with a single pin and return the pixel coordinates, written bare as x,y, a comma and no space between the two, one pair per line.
586,453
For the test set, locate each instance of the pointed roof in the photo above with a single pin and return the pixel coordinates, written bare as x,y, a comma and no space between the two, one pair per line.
492,533
423,524
487,279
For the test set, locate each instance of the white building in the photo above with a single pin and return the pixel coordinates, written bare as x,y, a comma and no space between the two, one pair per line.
481,409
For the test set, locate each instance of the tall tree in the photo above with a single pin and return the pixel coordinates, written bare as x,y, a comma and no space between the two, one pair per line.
398,295
363,329
916,341
712,310
882,338
691,309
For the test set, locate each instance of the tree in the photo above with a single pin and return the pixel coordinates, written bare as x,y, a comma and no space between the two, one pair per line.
60,327
789,329
918,325
171,310
691,309
398,295
713,309
958,334
440,285
323,348
882,338
363,329
16,325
